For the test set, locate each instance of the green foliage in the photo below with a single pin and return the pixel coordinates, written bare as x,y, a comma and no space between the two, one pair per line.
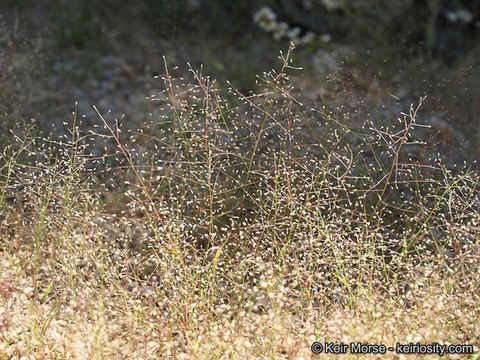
17,4
168,17
446,28
74,23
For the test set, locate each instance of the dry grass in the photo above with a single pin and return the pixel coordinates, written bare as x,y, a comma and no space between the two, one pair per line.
237,229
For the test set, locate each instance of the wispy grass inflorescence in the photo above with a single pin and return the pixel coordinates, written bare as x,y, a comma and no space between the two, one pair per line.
234,226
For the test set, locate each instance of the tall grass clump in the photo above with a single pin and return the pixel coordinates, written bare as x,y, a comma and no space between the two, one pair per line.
238,226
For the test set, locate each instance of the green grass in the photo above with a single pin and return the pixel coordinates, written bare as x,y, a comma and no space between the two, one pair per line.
238,229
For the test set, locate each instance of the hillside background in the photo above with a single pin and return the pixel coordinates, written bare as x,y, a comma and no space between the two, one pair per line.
368,55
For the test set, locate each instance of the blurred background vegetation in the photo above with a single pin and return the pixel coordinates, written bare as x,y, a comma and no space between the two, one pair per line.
372,57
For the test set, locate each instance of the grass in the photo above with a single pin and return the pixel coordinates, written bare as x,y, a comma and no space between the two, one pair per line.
238,229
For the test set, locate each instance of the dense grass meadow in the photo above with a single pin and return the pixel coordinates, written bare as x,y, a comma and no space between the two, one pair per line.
234,219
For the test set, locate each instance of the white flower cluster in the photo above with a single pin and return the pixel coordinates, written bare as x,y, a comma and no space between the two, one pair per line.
461,15
267,20
328,4
331,4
